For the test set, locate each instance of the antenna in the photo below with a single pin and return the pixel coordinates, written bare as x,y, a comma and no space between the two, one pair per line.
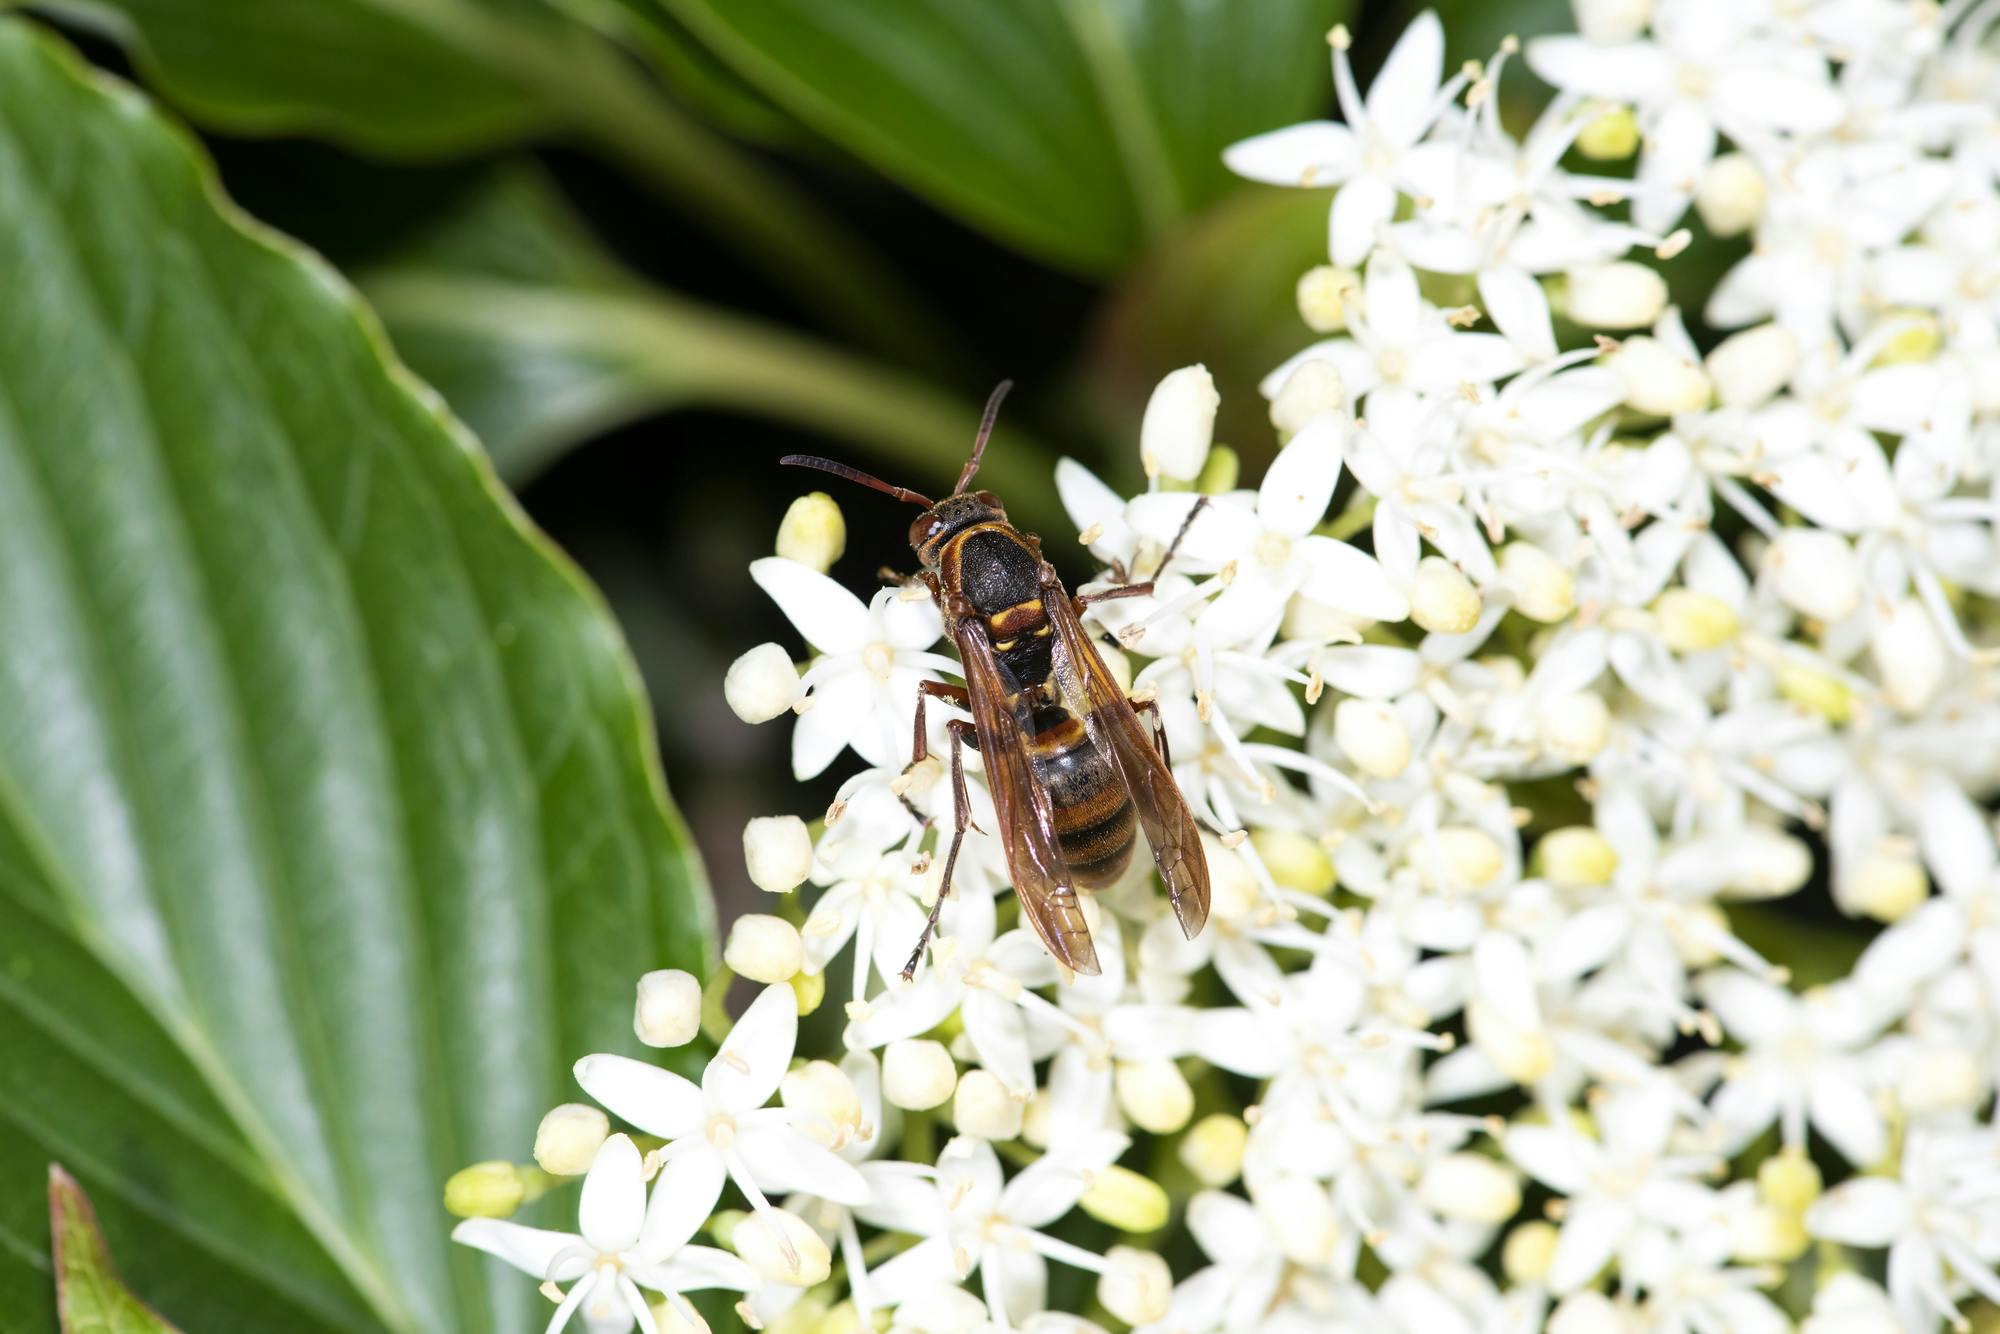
855,475
985,430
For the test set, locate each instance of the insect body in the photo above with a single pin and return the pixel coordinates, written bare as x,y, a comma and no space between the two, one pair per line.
1074,774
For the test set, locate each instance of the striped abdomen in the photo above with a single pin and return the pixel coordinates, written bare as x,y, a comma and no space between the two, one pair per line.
1095,828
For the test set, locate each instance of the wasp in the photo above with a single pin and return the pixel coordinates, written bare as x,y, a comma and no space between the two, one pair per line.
1074,774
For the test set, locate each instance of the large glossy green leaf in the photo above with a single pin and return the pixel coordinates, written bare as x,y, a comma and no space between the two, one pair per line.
540,341
90,1298
421,78
1074,129
330,828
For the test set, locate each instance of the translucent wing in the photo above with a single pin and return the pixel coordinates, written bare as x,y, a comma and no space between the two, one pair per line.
1027,822
1093,694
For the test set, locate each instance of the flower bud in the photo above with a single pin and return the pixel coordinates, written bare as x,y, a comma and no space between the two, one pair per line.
1620,295
1747,368
982,1107
1919,340
1586,1312
667,1315
1442,599
826,1100
917,1074
808,989
1220,472
1154,1094
761,684
1299,1213
485,1190
1941,1079
1037,1120
1816,573
1457,858
1371,733
1544,590
1886,886
1577,857
1136,1286
1611,136
1324,293
567,1140
1118,665
782,1248
1611,20
1789,1182
1769,865
1179,424
1233,887
1127,1201
1691,622
1294,861
778,850
1524,1055
813,533
1908,656
1528,1252
669,1010
1730,195
1470,1187
763,948
1213,1149
1809,688
1314,387
1764,1234
1574,727
1658,381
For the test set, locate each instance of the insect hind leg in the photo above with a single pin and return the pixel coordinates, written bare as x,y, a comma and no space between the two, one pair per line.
959,730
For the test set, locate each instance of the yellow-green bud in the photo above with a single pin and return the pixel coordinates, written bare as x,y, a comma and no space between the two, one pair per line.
1887,886
810,989
1822,692
1458,857
1294,861
777,852
1136,1286
1371,733
1611,137
1218,473
1442,599
826,1100
1692,622
1543,589
1765,1234
1323,294
917,1074
763,948
1528,1252
813,532
1576,857
668,1011
782,1248
1471,1187
1524,1055
485,1190
982,1107
1154,1094
569,1137
1789,1181
1313,387
1213,1149
1658,381
1574,727
1730,194
1127,1201
1919,340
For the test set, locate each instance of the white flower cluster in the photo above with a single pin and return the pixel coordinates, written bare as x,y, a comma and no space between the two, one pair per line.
1493,1026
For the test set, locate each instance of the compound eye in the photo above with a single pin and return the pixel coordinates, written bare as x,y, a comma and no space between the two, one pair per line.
923,530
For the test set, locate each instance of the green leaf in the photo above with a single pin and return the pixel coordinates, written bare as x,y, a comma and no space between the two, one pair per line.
330,825
540,341
422,78
1077,130
90,1297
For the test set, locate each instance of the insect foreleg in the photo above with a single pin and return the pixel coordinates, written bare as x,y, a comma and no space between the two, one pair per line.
920,749
961,818
1145,589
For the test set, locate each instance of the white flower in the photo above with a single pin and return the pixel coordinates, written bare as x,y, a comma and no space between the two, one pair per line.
1179,425
863,686
1365,156
720,1129
621,1244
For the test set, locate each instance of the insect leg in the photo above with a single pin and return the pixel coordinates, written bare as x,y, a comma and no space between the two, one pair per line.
961,818
920,749
1152,707
1144,589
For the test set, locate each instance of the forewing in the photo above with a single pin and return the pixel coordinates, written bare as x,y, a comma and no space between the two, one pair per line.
1093,693
1027,823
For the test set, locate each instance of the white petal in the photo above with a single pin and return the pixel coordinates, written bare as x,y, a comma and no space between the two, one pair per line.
831,618
1391,299
1622,72
1224,530
657,1101
1370,671
694,1268
1751,1009
1400,98
907,624
1957,841
840,702
614,1197
1349,580
529,1249
1299,484
1089,502
784,1162
1360,210
1592,1230
1442,364
1556,1158
684,1195
1769,95
1680,144
746,1071
1318,152
1520,308
1867,1211
1842,1110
